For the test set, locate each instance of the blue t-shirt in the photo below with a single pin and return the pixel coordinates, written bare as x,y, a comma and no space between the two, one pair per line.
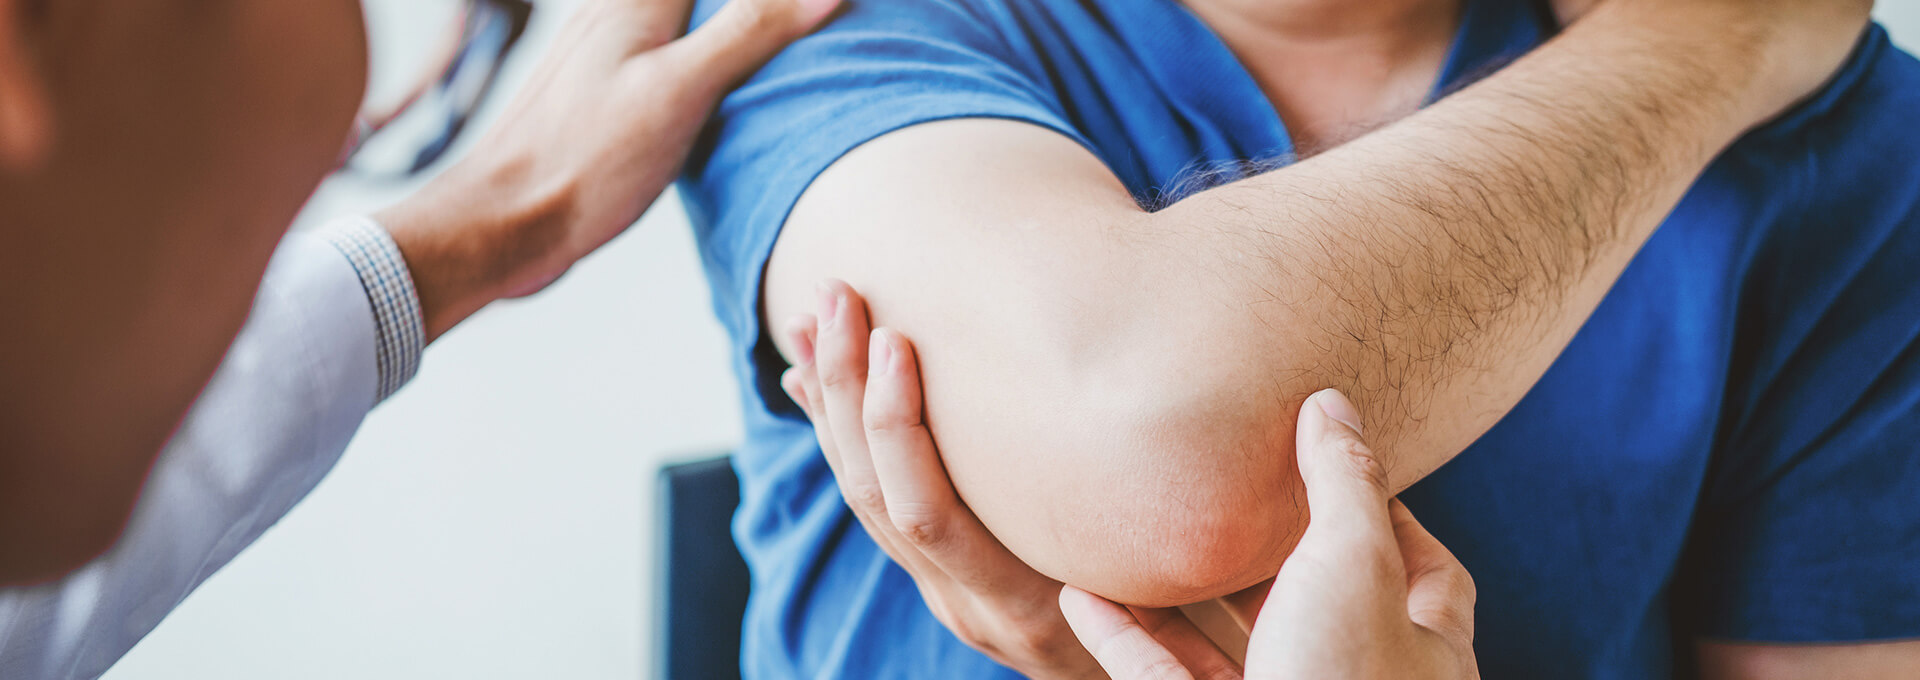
1729,448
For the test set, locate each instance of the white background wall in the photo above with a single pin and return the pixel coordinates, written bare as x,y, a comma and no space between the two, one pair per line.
494,519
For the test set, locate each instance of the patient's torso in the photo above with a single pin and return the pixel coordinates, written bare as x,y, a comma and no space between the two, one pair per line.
1727,448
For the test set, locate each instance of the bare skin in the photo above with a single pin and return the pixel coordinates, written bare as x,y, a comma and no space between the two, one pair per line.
1335,70
1366,593
1062,384
1267,288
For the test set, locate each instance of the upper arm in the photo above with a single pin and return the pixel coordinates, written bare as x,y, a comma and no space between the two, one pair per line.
1088,406
1863,661
1090,386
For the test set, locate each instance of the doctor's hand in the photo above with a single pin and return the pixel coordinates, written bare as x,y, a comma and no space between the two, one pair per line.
1368,593
861,389
596,134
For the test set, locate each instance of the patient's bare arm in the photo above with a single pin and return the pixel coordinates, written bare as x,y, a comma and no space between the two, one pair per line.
1113,390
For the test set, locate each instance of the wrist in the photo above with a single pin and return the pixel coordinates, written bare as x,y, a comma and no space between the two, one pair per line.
1758,59
1711,55
474,236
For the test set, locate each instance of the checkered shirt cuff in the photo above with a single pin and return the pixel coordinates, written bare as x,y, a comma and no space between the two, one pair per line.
396,304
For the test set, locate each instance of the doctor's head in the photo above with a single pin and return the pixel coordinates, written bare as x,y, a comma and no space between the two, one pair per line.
139,112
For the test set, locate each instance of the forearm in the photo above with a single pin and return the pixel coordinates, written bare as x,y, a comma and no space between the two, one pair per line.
475,236
1435,268
1113,390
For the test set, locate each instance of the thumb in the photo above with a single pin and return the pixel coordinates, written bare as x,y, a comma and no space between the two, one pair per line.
746,33
1440,592
1346,485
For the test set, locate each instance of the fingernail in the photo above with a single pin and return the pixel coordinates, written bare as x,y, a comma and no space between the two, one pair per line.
1336,406
829,306
879,354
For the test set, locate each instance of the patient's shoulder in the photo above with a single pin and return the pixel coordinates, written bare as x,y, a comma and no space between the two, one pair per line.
1839,167
1862,129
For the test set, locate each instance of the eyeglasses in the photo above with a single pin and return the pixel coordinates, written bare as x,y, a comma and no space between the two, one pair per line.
423,96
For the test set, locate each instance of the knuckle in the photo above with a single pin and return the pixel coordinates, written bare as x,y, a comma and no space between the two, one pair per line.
647,35
1451,622
919,523
1038,642
759,17
1032,640
964,629
867,498
941,612
1359,460
1454,616
1343,559
1057,638
1219,670
883,421
1162,668
1466,589
840,372
1156,626
881,416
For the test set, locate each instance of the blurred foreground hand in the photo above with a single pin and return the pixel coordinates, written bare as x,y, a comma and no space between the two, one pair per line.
600,129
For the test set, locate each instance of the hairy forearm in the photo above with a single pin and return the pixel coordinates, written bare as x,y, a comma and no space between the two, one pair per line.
1435,268
1113,390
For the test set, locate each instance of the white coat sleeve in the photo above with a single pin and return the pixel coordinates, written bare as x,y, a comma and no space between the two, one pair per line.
298,380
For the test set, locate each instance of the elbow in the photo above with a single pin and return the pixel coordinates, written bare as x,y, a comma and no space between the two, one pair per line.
1168,501
1208,512
1139,458
1180,559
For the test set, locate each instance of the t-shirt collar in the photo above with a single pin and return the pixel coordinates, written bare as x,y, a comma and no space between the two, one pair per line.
1492,34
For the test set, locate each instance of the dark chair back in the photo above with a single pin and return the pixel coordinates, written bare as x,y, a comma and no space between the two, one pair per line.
703,582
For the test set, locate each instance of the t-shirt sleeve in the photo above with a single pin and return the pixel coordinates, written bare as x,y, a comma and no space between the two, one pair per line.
874,68
1810,525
